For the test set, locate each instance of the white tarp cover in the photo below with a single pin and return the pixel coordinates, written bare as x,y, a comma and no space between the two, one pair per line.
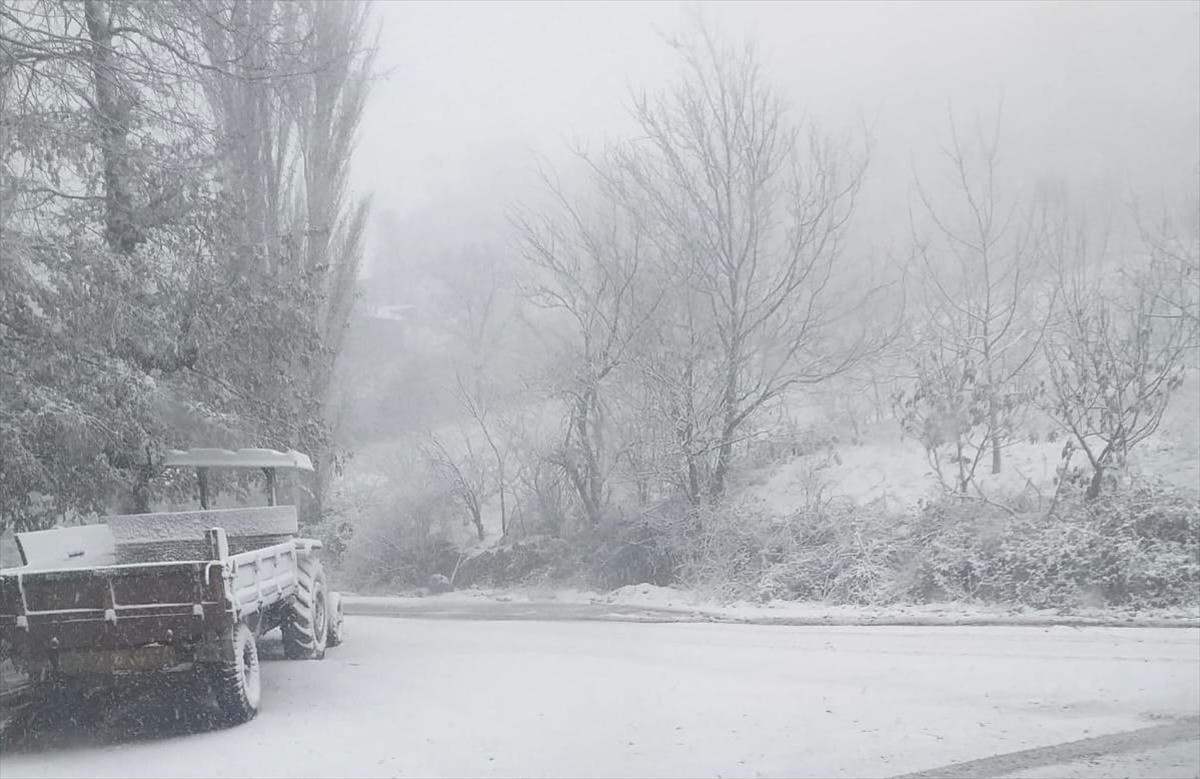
191,525
117,541
241,458
68,547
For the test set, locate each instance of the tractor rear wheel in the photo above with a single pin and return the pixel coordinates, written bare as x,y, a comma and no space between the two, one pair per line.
306,626
237,682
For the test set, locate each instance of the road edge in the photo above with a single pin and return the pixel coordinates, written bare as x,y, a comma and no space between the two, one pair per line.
484,609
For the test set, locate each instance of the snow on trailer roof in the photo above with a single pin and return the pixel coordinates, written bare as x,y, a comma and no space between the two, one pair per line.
242,458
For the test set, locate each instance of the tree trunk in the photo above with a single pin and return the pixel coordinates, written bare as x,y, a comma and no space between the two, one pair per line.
728,427
112,120
994,423
588,483
1093,490
579,483
139,493
724,457
686,433
477,520
310,494
503,508
141,498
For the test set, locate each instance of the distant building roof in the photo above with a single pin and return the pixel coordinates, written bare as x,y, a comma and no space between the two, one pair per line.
397,313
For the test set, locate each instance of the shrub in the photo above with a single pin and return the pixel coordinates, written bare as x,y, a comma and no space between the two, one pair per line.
644,548
1137,548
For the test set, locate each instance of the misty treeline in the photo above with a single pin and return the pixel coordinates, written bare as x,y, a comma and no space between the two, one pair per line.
588,396
180,245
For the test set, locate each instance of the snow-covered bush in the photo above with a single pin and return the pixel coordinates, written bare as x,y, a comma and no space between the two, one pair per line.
645,547
406,528
727,552
826,551
1136,548
840,553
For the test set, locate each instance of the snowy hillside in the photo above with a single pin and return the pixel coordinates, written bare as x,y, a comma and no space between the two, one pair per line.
893,469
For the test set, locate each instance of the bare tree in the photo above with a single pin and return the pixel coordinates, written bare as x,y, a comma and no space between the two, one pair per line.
1115,355
587,262
1173,246
470,304
749,210
467,474
477,402
471,300
982,319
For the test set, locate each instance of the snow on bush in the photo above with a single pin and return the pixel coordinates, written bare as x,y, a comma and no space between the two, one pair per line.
1137,548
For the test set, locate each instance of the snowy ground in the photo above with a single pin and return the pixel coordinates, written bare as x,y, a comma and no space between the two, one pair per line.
892,470
486,698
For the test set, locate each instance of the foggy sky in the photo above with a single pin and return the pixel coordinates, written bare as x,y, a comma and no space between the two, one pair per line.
1103,96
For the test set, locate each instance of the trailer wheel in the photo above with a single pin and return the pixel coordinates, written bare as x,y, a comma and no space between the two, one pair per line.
337,628
237,682
306,626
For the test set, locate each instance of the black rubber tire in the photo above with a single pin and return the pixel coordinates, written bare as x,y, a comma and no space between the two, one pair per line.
337,624
238,682
306,627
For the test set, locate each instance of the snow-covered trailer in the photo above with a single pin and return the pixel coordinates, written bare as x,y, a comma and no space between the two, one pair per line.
186,591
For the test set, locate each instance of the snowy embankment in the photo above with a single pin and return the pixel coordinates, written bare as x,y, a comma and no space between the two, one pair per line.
892,471
637,602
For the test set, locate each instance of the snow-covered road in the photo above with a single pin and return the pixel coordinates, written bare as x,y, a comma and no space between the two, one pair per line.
479,698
